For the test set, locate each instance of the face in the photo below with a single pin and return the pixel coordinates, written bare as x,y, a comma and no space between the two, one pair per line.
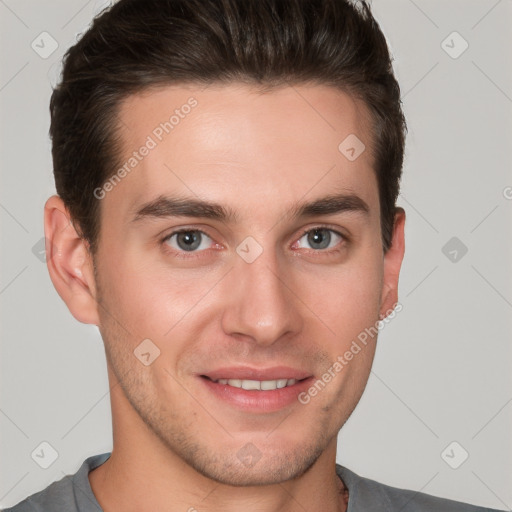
250,293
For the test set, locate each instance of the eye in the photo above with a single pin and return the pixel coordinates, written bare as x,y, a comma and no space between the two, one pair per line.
321,238
187,240
193,241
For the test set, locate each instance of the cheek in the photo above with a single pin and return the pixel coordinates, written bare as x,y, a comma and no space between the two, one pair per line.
346,300
153,301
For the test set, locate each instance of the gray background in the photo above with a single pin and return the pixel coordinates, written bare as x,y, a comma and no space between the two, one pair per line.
442,368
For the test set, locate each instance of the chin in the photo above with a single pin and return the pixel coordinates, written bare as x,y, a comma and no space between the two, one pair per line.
251,467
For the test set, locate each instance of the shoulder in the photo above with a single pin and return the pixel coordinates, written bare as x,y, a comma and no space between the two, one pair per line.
57,496
369,495
71,493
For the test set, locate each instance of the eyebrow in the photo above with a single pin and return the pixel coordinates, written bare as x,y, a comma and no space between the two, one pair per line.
164,206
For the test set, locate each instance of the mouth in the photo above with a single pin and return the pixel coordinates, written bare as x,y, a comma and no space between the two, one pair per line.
258,391
256,385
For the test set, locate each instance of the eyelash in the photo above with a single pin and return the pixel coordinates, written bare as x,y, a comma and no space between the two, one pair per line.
197,254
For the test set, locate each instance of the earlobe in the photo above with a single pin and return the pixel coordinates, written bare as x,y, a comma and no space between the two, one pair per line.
69,262
392,263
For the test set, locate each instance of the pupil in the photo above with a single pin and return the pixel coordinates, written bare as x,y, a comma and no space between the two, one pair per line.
190,240
316,237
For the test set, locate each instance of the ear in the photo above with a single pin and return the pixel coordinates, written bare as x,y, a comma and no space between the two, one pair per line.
69,262
392,263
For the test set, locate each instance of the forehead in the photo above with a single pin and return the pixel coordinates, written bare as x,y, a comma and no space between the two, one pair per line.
232,143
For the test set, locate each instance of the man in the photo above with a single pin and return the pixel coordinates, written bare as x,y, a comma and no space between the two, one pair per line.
227,174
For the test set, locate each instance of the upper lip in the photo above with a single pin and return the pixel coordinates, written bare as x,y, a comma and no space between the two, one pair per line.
247,373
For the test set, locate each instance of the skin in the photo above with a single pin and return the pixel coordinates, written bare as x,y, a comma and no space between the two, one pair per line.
175,444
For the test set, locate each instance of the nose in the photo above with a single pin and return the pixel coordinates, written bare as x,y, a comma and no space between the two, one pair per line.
262,304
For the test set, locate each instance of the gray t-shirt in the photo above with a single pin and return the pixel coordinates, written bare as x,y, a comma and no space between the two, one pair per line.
73,493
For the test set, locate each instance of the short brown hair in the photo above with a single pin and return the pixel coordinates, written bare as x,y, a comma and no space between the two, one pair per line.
138,44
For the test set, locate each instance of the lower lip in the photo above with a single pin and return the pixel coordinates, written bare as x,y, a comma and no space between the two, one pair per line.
257,401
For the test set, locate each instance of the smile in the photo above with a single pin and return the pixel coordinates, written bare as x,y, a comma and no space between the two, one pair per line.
257,385
256,391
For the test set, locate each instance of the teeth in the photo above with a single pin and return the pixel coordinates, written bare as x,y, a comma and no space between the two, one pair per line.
260,385
281,383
